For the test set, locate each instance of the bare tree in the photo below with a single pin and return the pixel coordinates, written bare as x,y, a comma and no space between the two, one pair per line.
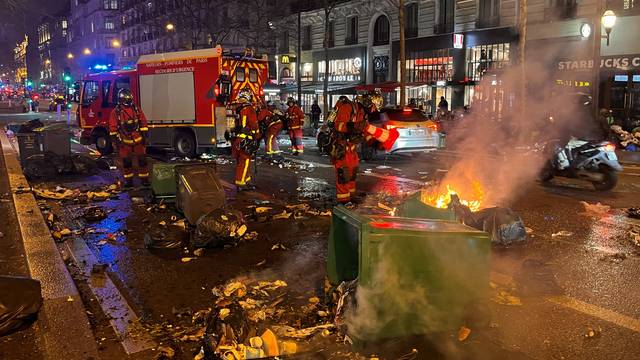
329,6
403,58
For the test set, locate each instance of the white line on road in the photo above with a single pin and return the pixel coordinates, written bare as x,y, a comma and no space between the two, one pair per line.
596,311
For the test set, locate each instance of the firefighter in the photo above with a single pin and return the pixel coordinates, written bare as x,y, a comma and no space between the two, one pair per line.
349,124
295,118
270,124
128,132
245,139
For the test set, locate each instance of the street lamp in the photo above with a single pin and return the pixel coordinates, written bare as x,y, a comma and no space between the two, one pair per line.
86,51
69,56
170,27
608,22
115,43
47,62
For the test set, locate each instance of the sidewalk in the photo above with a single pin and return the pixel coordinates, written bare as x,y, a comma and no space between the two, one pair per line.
62,329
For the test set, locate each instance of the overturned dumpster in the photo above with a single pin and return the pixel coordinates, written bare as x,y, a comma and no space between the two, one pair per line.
415,276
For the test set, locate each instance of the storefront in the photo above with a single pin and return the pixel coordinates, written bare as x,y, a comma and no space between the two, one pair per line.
450,65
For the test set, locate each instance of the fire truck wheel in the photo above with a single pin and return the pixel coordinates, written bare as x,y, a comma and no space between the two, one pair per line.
103,144
184,144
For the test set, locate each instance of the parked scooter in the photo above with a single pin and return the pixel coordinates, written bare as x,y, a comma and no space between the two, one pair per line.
594,161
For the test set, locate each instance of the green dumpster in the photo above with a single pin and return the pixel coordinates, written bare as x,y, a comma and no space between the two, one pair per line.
413,207
163,180
415,276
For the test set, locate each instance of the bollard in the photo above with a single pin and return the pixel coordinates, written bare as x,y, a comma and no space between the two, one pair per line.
59,112
68,117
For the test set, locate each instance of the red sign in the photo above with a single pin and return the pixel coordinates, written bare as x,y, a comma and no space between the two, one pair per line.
434,61
458,39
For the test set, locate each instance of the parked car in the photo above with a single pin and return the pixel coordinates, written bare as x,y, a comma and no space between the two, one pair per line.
418,133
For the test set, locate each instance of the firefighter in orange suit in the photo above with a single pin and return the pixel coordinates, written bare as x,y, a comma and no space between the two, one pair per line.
128,132
349,123
245,139
295,115
271,125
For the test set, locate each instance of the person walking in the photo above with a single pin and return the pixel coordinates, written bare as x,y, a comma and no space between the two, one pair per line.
315,114
295,118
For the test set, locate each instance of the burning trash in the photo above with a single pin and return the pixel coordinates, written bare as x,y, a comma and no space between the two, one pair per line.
440,196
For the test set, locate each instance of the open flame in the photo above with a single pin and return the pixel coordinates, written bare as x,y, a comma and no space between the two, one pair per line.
440,197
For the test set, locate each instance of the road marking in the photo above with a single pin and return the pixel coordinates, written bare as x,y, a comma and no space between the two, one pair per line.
596,311
113,304
64,326
578,305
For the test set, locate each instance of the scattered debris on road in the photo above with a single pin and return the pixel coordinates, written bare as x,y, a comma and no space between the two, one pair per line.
463,333
597,210
634,212
563,233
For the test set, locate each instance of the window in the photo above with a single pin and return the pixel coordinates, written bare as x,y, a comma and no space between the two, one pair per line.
306,38
109,24
284,42
352,31
92,27
106,84
330,35
110,4
342,70
64,24
488,13
445,16
307,72
121,83
240,74
429,67
485,58
90,92
624,6
560,9
381,31
253,75
411,20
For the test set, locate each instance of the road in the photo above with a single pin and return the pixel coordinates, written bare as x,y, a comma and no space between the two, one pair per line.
572,297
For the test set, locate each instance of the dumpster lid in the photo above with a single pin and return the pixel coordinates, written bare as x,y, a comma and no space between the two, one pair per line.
413,224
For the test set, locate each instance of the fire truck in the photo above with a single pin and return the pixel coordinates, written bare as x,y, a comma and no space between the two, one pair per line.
185,95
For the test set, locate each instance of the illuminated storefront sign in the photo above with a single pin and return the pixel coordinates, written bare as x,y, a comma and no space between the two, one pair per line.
342,70
621,62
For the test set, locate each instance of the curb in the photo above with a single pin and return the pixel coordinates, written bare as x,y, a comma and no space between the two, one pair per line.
63,325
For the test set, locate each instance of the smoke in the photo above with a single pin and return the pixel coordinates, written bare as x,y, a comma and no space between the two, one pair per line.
496,138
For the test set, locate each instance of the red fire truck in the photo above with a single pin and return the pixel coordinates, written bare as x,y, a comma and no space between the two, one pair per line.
184,96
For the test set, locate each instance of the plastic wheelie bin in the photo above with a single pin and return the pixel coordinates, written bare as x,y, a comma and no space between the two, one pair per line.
446,263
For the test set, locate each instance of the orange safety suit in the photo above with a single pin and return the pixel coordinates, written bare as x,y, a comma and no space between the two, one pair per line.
128,127
247,125
348,126
273,126
296,120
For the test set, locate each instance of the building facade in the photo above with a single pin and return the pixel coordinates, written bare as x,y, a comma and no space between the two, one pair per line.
52,47
20,60
92,37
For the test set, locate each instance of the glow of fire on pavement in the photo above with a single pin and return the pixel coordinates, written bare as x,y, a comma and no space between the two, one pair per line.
440,197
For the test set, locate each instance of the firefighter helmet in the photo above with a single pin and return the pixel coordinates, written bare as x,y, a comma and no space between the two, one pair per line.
125,98
245,96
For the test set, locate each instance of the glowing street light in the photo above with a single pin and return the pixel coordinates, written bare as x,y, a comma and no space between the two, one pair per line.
86,51
69,56
47,62
170,27
608,22
116,43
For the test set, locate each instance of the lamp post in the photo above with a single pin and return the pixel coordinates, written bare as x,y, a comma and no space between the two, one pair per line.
607,21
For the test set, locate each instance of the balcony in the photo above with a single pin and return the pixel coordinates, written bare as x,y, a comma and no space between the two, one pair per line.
443,28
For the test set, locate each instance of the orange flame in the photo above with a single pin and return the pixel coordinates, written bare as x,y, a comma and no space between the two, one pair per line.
441,197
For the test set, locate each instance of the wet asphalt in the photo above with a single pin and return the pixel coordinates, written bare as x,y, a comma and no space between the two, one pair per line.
567,286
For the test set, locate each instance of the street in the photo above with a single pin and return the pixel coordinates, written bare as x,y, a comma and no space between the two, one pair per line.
569,291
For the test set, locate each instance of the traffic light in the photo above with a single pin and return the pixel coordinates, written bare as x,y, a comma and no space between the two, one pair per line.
66,75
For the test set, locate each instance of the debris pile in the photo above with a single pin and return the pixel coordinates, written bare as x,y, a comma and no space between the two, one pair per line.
220,227
284,163
296,211
77,195
624,137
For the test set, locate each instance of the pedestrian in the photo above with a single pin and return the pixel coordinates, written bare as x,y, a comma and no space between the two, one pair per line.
295,118
270,120
443,105
245,139
128,131
315,114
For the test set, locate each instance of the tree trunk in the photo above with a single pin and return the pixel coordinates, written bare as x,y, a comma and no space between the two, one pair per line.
325,84
403,59
299,58
522,27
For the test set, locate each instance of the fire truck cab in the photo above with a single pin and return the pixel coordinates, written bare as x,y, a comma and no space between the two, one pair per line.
184,96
